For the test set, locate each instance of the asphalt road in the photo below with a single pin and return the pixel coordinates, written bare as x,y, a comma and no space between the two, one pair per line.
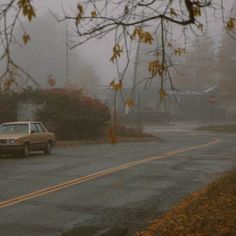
109,190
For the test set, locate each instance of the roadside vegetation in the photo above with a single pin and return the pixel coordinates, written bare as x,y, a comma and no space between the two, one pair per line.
211,211
71,115
68,113
229,128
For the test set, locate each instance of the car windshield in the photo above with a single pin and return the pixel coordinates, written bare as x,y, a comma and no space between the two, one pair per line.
14,128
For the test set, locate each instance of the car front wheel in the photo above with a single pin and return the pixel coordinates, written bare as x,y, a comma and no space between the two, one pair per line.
48,148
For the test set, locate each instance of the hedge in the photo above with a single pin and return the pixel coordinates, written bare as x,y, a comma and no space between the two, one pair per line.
68,113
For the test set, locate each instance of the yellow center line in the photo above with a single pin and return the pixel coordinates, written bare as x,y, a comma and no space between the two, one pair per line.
80,180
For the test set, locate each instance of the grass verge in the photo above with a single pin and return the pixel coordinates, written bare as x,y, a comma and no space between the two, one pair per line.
231,128
120,139
211,211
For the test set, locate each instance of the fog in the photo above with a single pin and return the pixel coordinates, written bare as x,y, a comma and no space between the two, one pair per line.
45,56
96,52
207,65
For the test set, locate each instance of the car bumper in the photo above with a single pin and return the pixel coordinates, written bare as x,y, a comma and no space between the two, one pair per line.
10,148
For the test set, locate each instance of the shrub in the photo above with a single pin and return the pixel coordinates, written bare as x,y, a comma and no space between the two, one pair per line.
72,115
8,107
68,113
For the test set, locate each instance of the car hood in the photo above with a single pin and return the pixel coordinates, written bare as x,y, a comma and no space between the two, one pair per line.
12,136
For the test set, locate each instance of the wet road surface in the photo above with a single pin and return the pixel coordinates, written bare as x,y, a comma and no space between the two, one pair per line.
99,188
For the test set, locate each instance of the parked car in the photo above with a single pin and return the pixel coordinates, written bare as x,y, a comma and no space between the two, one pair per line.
23,137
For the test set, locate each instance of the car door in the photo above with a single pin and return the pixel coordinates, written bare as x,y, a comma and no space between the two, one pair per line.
43,135
35,141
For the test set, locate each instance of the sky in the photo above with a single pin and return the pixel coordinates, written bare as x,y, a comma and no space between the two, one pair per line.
98,52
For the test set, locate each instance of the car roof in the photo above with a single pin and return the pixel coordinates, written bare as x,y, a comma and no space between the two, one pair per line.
21,122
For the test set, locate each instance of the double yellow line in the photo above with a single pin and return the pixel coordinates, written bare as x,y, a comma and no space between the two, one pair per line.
80,180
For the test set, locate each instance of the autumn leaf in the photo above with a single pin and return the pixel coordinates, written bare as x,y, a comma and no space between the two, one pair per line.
77,19
81,9
143,36
116,86
173,13
147,38
117,51
27,9
179,51
200,27
31,13
79,15
155,67
93,13
230,24
162,94
129,102
26,38
197,11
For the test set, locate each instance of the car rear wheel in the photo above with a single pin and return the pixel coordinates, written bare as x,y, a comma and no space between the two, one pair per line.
48,148
26,150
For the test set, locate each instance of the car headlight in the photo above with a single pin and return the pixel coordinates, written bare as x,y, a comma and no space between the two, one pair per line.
11,141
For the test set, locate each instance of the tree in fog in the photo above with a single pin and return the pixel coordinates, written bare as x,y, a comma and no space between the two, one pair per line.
149,22
197,67
226,61
44,57
132,21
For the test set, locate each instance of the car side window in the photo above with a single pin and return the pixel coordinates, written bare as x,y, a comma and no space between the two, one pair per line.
33,128
40,128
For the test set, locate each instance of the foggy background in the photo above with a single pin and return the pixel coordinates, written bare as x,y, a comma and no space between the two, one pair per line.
95,53
208,65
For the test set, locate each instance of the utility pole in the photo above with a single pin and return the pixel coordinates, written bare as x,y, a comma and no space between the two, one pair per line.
67,59
135,71
136,110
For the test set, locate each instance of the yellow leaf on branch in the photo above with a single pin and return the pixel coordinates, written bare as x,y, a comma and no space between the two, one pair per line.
147,38
27,9
117,51
79,15
26,38
197,11
129,102
162,94
143,36
155,67
77,19
179,51
173,13
116,86
200,27
81,9
230,24
93,13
